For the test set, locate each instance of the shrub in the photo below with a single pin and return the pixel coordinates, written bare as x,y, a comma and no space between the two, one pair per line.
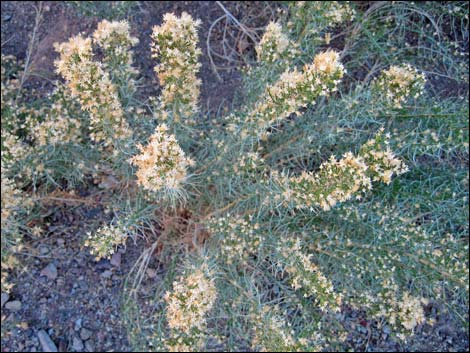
265,237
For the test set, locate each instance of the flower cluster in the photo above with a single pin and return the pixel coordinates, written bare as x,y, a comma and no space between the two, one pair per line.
274,45
339,12
58,126
92,86
191,298
270,330
162,163
114,37
399,83
306,276
116,41
295,90
104,241
273,333
10,200
411,313
380,159
336,181
340,180
238,237
403,314
13,149
331,12
175,46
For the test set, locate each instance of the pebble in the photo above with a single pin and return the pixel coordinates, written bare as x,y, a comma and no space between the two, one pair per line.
77,344
106,274
5,298
50,271
43,250
103,264
78,324
46,342
151,273
116,260
89,346
60,242
14,305
85,334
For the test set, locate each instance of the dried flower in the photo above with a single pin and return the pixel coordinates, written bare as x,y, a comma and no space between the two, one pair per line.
399,83
274,45
175,46
104,241
162,163
116,41
295,90
96,93
191,298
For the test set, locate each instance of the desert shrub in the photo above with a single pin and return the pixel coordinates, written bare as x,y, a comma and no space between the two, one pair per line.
264,235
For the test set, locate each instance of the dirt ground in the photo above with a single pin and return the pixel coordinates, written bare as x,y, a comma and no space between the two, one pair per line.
61,289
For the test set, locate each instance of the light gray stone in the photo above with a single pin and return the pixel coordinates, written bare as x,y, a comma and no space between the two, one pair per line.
46,342
14,305
50,271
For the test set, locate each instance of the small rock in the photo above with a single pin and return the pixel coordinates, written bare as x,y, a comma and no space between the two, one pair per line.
107,274
386,329
116,260
77,344
85,334
60,242
62,345
46,342
5,298
78,324
50,271
89,346
43,250
103,264
109,182
14,305
151,273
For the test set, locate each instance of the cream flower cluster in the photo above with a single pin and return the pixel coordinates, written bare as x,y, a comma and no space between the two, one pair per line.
403,314
115,36
58,126
339,12
175,46
332,12
238,237
191,298
336,181
380,159
104,242
270,333
399,83
116,41
10,197
12,150
295,90
274,45
340,180
411,313
92,86
162,164
307,277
